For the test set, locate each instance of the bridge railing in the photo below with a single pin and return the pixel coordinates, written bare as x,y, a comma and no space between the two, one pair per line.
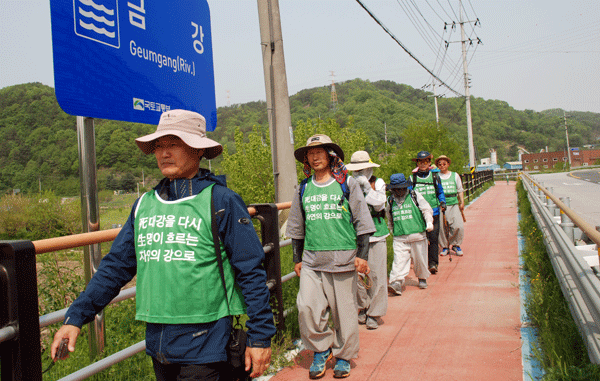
473,181
20,344
578,280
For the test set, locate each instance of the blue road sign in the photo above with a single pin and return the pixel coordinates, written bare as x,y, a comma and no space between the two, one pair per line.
132,60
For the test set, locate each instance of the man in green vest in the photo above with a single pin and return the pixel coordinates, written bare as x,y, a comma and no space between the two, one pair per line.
427,182
372,301
329,224
168,243
455,205
409,217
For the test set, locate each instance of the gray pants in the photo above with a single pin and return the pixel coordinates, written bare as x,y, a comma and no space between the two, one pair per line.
320,295
374,299
456,230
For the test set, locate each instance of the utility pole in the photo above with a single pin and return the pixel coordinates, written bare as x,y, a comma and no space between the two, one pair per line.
437,115
467,95
278,101
435,97
567,134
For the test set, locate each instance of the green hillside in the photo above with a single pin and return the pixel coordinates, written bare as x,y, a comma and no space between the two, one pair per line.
38,141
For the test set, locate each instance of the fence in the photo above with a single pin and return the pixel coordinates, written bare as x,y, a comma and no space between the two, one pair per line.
473,181
20,347
579,283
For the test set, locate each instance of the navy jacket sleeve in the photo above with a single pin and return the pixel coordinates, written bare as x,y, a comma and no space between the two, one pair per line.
116,269
246,254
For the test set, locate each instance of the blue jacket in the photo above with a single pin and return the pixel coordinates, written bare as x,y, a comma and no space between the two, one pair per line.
189,343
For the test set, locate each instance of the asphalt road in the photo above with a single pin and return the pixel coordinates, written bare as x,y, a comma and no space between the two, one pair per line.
592,176
582,187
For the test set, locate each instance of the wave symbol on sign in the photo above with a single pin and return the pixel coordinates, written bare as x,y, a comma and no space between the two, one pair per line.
97,18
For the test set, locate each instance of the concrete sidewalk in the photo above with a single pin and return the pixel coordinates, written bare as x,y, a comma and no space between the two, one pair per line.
465,325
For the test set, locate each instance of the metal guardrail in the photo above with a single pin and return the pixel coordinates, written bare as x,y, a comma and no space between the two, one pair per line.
579,283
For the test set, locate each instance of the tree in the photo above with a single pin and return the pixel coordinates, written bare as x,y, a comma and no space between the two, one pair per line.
249,170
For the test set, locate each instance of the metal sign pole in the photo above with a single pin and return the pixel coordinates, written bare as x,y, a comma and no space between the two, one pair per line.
90,216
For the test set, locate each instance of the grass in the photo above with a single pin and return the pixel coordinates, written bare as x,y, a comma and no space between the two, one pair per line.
560,350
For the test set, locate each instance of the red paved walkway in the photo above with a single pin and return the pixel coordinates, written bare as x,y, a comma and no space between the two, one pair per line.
465,325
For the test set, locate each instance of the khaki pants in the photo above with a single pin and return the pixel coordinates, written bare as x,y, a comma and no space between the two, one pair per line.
403,252
375,298
457,227
323,294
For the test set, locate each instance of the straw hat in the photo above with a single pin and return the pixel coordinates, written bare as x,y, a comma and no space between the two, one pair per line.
318,140
443,157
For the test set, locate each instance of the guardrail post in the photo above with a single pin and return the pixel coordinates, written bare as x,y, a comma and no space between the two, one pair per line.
268,216
550,204
565,221
21,356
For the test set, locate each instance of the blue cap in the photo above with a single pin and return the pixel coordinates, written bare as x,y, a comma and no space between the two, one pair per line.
397,180
423,155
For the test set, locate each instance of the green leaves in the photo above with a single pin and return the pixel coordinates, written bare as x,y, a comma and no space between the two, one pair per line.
249,170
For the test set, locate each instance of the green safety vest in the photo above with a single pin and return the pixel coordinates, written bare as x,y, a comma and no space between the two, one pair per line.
328,225
407,218
450,189
426,187
178,278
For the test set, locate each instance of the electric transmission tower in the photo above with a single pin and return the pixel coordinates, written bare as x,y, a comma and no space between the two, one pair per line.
333,94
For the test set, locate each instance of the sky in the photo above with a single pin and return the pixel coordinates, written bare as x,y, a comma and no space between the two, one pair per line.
535,54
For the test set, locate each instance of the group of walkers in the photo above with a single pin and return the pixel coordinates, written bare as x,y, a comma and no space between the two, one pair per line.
339,225
198,260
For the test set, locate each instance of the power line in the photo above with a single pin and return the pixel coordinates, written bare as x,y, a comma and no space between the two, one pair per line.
404,48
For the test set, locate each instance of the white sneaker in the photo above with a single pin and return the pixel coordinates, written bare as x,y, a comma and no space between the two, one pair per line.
362,316
458,251
444,252
372,322
395,288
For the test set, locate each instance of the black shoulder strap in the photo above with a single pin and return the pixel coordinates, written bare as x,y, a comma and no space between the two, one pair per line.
414,197
215,233
436,182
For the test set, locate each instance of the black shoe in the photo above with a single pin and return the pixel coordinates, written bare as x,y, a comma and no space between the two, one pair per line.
433,269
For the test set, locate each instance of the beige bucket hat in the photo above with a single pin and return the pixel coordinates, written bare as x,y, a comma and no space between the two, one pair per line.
443,157
316,141
189,126
360,160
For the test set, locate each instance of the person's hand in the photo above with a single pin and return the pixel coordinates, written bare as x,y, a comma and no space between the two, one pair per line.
65,332
461,206
258,360
361,265
364,183
429,227
297,268
443,206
